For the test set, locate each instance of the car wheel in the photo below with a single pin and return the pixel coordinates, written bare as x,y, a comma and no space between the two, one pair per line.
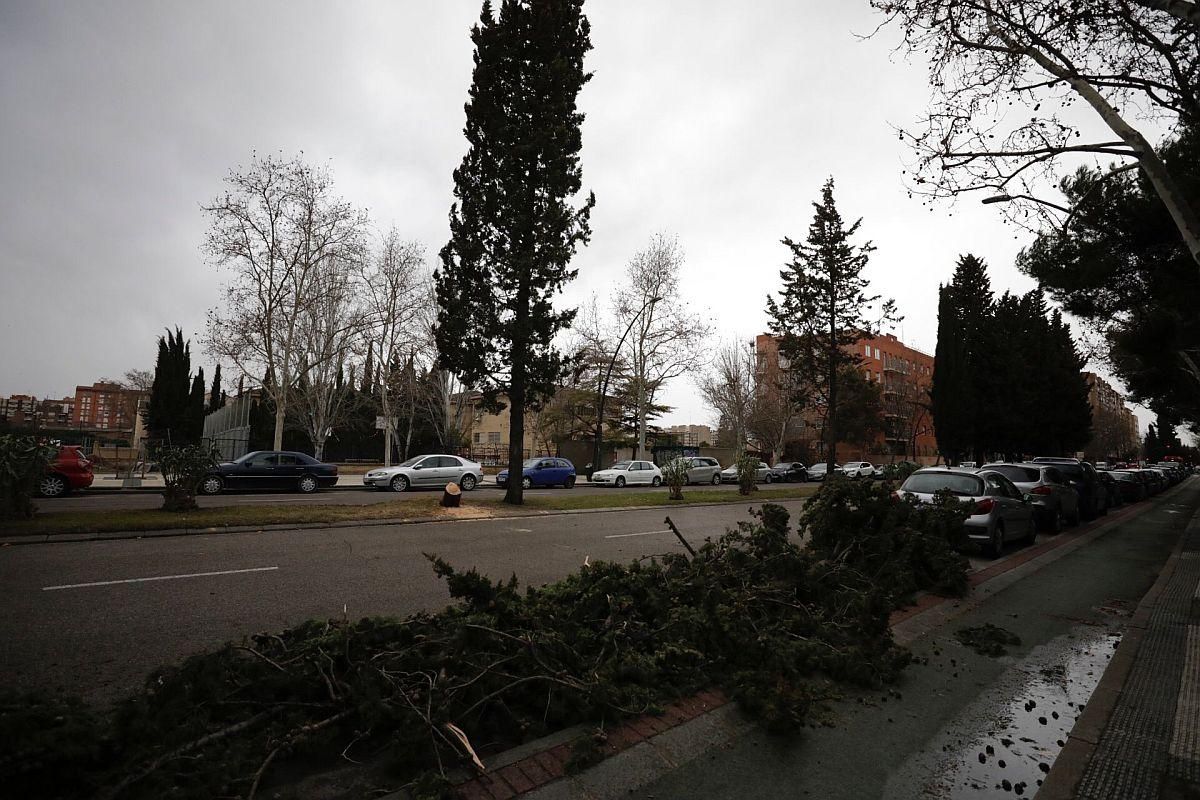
399,484
1031,537
716,479
211,485
620,481
1075,518
1056,523
569,483
307,484
52,486
768,478
996,545
656,482
527,482
467,482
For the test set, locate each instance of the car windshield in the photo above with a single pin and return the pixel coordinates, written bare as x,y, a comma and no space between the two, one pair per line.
933,482
248,456
1017,474
530,463
1070,470
621,465
820,467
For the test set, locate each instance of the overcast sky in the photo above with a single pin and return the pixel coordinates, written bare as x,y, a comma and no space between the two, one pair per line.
714,121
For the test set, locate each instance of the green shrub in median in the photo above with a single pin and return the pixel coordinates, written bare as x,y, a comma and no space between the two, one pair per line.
23,463
675,476
778,625
747,474
183,467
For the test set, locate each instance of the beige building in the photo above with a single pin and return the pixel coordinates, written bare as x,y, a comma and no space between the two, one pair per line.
1115,431
693,435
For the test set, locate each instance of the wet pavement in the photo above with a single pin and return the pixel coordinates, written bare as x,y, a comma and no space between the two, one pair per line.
1006,742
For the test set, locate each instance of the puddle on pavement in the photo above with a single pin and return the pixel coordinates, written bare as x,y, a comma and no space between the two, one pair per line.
1013,757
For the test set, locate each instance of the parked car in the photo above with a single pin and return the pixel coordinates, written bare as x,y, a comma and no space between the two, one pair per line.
818,472
629,472
427,471
1054,499
789,471
1000,512
762,473
270,469
70,470
1133,487
1115,498
702,469
1154,481
1093,497
542,472
896,471
857,469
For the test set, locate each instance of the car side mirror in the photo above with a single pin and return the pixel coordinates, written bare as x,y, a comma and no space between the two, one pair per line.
417,466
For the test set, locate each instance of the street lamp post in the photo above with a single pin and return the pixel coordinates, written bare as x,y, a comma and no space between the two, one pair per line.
604,385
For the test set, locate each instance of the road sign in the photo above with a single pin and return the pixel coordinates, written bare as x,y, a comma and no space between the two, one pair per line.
381,422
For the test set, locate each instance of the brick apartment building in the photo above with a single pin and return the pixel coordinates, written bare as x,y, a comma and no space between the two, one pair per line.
107,407
26,411
904,375
1115,432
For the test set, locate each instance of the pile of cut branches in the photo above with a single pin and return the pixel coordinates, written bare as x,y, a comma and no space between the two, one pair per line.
775,624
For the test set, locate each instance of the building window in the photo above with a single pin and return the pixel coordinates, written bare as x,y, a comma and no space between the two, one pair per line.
877,352
493,437
478,438
867,350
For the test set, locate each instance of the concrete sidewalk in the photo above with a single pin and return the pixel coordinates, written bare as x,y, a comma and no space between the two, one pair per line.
1139,737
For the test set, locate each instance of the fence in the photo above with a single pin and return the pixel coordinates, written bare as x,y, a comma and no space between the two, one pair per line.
227,430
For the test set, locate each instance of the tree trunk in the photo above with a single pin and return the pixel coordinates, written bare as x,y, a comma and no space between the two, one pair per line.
319,448
451,496
279,411
515,492
641,413
388,434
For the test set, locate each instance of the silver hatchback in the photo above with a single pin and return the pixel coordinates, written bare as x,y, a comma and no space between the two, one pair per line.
1054,499
1000,511
426,472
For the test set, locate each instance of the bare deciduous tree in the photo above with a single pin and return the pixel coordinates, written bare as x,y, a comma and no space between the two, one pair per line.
774,411
666,339
274,228
728,388
399,310
1134,63
328,329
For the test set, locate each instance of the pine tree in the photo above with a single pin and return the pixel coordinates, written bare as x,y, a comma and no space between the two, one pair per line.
368,382
824,310
966,386
166,415
216,397
512,230
1070,410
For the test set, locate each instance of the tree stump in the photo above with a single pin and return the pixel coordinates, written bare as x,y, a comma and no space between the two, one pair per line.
452,496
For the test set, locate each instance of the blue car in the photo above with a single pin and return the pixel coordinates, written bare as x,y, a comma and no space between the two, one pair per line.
543,472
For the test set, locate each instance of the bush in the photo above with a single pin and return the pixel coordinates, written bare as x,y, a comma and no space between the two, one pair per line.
901,546
675,475
747,474
23,464
183,467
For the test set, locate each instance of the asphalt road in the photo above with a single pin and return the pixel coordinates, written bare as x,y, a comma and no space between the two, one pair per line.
117,500
93,618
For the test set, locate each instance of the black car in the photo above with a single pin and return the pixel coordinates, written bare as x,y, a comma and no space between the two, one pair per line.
1115,498
789,471
1093,495
270,469
1133,487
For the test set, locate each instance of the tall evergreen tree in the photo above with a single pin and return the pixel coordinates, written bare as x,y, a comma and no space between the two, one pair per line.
195,409
1152,449
166,414
368,381
951,388
216,397
1071,411
513,230
823,311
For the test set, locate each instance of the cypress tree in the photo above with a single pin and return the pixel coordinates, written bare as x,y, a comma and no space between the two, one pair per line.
951,389
195,409
166,415
368,381
216,397
1068,405
1152,448
512,230
969,394
824,310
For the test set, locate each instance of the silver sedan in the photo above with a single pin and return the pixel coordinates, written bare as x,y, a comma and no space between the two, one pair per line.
426,472
999,514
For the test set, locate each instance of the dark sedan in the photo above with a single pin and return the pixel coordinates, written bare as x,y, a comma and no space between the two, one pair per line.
1133,487
270,469
789,471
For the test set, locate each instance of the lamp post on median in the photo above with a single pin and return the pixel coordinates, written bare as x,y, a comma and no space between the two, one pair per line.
604,385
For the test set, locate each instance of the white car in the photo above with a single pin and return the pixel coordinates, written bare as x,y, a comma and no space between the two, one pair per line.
426,472
857,469
629,473
762,474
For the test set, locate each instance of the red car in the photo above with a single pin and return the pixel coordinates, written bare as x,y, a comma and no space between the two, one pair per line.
70,470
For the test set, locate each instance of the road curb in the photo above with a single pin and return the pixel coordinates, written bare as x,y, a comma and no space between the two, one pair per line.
1072,762
70,538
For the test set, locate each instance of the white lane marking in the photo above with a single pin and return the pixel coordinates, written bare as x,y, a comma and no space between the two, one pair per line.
157,578
522,530
643,533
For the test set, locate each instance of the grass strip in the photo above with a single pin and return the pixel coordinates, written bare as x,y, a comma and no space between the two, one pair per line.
404,507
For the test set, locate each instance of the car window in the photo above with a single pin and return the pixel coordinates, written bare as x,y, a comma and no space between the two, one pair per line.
448,461
263,460
288,460
1052,475
431,461
1015,473
995,486
932,482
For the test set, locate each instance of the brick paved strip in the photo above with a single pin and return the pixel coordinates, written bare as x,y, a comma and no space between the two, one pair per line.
1185,736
